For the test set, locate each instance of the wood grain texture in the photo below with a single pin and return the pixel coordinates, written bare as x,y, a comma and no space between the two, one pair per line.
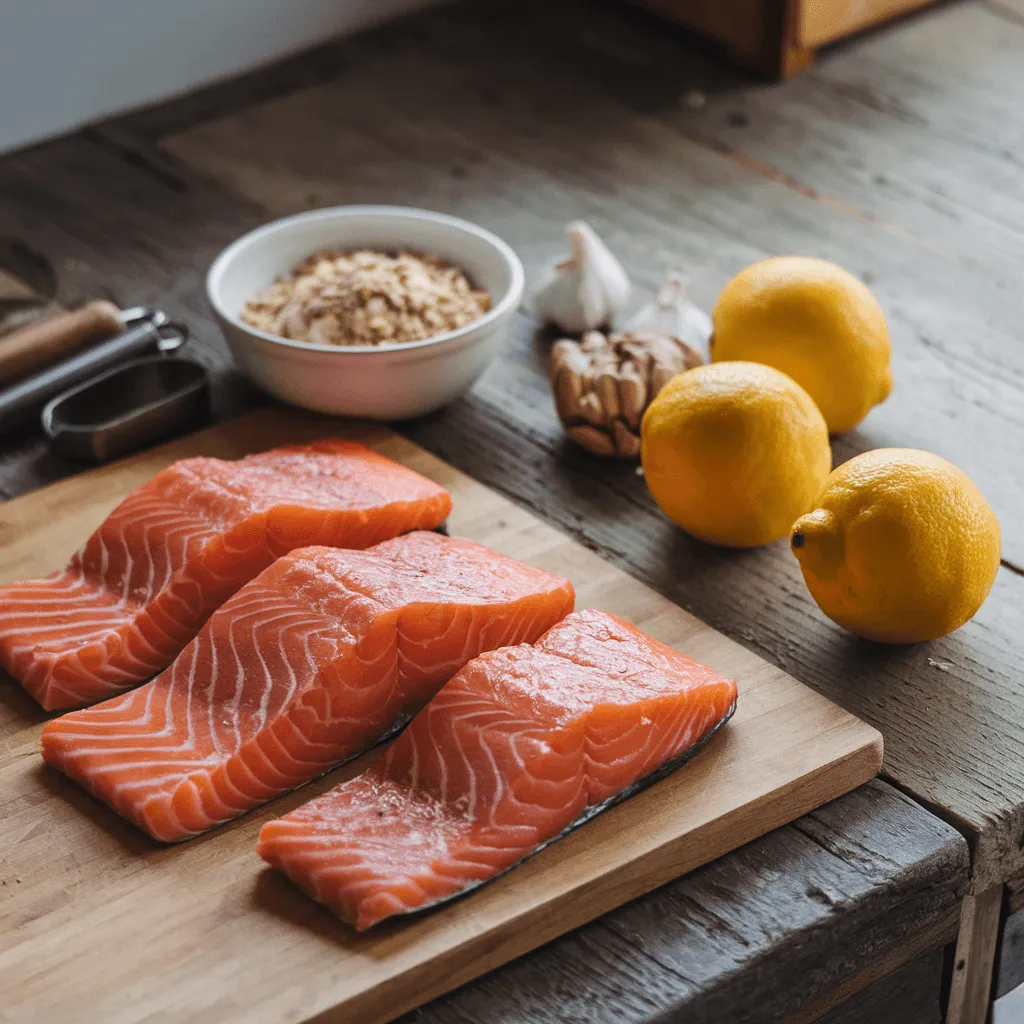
896,999
914,127
970,990
786,751
456,121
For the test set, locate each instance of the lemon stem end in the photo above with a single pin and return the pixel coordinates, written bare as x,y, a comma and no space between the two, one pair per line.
818,543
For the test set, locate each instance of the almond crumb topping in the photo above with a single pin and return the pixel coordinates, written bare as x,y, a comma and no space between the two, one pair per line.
366,298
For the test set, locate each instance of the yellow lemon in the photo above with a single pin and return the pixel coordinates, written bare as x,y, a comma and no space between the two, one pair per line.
901,547
815,322
734,452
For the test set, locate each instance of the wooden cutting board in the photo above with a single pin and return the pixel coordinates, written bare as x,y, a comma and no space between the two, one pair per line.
100,923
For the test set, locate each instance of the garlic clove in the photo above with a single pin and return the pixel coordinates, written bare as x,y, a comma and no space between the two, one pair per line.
585,291
632,395
591,410
593,440
558,301
566,354
661,375
627,443
608,394
606,270
568,389
673,313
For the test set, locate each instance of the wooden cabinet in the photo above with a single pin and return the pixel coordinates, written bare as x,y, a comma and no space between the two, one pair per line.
778,37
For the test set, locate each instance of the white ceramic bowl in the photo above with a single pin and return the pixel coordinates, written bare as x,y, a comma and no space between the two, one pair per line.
382,381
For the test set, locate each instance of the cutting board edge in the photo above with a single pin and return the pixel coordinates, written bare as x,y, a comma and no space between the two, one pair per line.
430,980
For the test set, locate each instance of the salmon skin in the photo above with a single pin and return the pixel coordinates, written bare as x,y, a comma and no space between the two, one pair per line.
523,745
309,664
181,545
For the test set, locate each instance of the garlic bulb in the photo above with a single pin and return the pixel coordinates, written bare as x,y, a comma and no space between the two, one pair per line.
673,314
585,291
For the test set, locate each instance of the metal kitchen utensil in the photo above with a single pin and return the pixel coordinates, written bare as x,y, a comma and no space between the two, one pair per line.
126,408
145,329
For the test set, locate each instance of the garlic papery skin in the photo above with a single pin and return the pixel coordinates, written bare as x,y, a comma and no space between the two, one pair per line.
673,313
587,290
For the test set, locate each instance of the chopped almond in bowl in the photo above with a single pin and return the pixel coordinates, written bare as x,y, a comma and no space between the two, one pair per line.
365,297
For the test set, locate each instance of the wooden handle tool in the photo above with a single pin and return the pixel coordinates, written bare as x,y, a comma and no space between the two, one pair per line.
39,345
142,330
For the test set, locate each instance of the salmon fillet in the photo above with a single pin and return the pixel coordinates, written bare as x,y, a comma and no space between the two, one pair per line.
181,545
521,745
306,666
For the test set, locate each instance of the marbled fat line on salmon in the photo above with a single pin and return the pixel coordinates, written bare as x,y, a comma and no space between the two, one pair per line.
306,666
521,745
179,546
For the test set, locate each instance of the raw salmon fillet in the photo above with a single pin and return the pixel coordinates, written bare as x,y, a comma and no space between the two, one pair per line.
181,545
304,667
524,743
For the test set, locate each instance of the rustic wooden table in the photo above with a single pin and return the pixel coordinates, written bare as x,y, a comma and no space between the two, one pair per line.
898,156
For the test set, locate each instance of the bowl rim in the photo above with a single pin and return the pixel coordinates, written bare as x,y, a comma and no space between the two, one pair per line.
498,309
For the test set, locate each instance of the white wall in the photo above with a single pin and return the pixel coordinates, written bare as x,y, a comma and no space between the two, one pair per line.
66,62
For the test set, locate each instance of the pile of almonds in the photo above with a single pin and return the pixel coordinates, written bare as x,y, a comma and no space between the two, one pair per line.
604,383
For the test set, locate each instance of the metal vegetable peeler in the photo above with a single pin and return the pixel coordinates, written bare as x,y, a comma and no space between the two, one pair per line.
93,408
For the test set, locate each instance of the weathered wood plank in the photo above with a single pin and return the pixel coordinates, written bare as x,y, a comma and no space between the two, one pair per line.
709,947
488,136
909,995
916,127
974,960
